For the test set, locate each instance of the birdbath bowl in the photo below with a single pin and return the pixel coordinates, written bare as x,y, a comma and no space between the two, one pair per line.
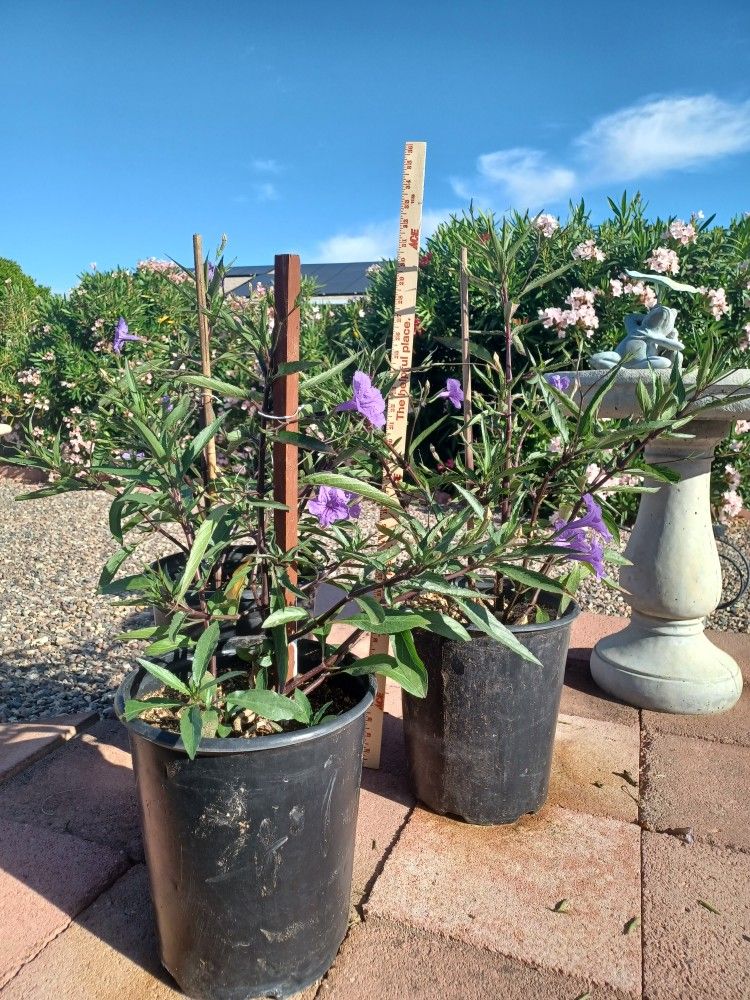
662,659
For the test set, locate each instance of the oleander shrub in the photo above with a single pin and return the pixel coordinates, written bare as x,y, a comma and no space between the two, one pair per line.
586,304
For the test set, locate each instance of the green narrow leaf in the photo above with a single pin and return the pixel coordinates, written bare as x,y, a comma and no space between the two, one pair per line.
442,624
304,703
204,650
284,616
202,540
471,500
191,729
135,707
361,488
150,439
167,678
113,564
313,380
216,385
530,578
393,622
268,705
302,441
486,622
411,680
199,442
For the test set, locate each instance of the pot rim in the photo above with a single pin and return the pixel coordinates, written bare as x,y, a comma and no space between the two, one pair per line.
215,746
567,618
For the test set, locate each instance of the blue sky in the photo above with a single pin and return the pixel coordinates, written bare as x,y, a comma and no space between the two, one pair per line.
126,127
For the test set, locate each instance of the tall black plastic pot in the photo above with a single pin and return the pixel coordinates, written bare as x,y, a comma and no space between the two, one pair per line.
249,848
480,744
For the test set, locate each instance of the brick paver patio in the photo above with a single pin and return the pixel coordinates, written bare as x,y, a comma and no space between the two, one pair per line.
439,908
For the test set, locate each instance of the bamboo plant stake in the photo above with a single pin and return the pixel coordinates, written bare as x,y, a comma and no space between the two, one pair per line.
286,290
465,360
207,406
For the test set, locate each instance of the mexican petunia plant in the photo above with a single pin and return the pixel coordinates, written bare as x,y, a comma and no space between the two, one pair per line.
233,609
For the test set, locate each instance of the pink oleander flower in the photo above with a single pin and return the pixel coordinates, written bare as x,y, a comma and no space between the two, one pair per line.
682,232
555,445
731,506
615,287
546,224
664,261
732,477
645,293
592,471
717,301
588,250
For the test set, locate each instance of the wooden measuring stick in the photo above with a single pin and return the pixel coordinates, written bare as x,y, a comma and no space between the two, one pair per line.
286,288
407,272
207,406
466,361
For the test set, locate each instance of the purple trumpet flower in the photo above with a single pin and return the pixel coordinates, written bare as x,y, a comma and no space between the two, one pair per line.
453,392
128,455
211,269
333,504
167,404
367,400
122,334
559,382
578,536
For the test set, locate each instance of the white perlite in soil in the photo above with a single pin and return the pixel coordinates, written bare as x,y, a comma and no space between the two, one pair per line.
58,652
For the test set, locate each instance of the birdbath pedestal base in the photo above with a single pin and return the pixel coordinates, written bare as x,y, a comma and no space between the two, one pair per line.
662,660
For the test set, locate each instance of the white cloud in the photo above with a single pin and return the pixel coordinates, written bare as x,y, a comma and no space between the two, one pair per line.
266,192
266,166
643,140
666,134
373,241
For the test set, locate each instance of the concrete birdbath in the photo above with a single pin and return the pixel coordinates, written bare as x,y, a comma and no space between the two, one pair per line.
663,660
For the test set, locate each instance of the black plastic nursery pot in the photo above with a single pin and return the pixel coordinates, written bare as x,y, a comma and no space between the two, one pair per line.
480,744
250,849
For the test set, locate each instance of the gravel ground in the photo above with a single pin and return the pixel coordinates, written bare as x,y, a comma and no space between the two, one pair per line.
58,653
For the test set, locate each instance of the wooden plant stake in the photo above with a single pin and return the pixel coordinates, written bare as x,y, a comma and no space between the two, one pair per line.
466,361
207,406
286,285
407,272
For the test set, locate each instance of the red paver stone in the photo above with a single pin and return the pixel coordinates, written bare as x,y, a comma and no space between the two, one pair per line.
496,887
726,727
581,695
23,743
590,761
108,953
45,879
381,959
689,951
86,787
378,824
698,784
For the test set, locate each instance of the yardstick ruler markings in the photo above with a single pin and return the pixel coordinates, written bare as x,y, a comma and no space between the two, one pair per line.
397,411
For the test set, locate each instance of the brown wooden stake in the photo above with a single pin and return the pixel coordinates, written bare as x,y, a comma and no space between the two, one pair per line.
207,406
466,361
286,284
